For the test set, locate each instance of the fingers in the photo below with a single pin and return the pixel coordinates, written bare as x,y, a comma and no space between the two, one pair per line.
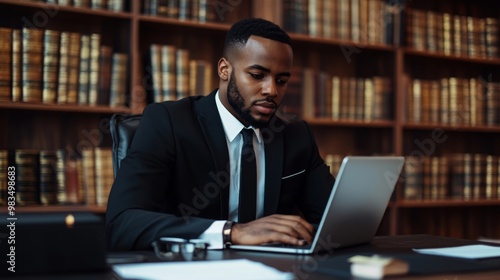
276,228
291,225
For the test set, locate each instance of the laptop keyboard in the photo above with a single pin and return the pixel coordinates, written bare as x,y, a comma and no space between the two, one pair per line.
283,245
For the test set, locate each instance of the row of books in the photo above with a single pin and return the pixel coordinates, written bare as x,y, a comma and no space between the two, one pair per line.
53,177
54,67
364,21
175,75
196,10
452,34
464,176
317,94
110,5
453,101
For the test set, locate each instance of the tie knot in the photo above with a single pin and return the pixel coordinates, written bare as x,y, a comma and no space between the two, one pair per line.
247,136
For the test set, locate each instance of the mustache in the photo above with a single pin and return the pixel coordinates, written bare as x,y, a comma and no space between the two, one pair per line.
267,99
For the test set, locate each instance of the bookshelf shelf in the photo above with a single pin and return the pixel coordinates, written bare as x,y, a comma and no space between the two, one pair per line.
302,38
350,123
63,108
449,127
65,208
445,203
442,56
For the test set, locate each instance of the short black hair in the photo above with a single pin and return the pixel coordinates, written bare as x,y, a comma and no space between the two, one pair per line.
243,29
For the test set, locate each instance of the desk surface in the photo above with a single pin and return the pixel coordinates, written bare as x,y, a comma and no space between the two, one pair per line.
309,266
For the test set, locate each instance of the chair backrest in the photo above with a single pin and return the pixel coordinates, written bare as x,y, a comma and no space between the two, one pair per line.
122,127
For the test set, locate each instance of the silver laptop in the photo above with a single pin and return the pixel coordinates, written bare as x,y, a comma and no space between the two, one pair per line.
356,206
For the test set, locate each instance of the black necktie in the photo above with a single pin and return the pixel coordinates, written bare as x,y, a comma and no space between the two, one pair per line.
248,179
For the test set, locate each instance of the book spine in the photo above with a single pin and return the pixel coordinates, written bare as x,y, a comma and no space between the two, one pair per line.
4,163
27,168
32,61
98,4
491,37
445,101
184,10
5,64
105,58
71,181
83,73
89,176
48,177
156,60
17,70
50,66
94,74
416,92
336,98
182,73
413,182
291,104
116,5
78,3
490,180
431,38
61,197
73,67
103,174
457,175
453,101
425,101
169,8
308,93
468,175
168,72
119,80
62,85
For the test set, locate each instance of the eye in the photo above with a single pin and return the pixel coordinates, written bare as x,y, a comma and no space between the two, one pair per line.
281,82
256,76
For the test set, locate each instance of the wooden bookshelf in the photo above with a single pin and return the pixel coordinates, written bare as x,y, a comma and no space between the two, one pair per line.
350,56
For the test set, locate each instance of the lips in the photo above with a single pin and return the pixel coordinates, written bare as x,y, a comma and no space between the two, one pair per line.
265,107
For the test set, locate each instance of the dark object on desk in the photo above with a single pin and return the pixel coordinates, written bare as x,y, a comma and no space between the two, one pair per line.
51,242
419,264
179,249
122,127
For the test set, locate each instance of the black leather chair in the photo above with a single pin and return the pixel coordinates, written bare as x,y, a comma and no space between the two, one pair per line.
122,127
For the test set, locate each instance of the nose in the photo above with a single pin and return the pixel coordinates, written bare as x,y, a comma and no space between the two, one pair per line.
270,88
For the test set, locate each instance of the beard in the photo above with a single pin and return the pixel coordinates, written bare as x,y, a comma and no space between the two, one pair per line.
237,101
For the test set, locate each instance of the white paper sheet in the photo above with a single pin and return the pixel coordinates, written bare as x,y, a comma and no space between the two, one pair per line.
467,252
228,269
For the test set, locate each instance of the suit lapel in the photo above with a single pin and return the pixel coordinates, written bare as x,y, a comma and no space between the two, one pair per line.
213,131
273,145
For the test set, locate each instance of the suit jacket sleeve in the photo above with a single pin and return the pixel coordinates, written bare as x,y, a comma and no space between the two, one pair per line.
139,207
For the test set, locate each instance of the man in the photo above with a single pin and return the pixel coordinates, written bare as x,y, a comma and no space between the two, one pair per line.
181,176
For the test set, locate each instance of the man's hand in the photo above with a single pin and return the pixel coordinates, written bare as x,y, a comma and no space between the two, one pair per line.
286,229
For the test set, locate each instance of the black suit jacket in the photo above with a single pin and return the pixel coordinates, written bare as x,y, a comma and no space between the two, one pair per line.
174,180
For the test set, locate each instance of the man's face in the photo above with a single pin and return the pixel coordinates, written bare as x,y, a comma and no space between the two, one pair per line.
258,80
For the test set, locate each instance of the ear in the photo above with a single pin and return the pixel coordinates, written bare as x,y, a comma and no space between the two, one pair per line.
223,69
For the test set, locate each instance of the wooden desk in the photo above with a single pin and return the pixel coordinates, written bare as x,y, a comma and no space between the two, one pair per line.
306,267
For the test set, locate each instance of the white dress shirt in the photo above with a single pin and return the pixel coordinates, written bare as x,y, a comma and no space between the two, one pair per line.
232,128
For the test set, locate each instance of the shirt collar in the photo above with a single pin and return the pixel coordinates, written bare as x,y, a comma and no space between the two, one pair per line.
232,126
